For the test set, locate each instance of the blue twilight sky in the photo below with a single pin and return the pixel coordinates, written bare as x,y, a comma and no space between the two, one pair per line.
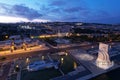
97,11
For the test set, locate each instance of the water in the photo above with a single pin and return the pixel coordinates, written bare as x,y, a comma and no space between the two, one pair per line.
112,75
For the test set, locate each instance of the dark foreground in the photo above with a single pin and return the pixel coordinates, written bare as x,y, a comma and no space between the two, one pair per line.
112,75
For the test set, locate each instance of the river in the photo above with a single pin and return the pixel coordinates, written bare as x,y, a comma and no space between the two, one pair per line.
111,75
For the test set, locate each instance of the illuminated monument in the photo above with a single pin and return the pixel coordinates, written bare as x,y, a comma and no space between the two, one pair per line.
103,60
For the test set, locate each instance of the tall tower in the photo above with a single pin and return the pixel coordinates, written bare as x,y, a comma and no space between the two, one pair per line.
103,60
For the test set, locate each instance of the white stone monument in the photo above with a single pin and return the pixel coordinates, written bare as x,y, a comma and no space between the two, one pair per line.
103,60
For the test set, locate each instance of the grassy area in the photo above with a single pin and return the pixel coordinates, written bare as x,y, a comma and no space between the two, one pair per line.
24,62
40,75
68,63
45,74
66,66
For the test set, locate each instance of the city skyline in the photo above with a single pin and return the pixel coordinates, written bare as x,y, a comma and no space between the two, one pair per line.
102,11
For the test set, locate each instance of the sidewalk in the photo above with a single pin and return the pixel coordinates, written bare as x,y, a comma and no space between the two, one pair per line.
31,49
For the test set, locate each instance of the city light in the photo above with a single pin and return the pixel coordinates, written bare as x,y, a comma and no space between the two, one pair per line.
66,54
43,57
59,39
62,60
6,37
27,60
17,66
75,65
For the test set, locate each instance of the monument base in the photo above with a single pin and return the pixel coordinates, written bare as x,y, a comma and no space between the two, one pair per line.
104,64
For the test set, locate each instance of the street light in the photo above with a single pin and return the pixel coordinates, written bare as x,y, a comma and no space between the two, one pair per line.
17,66
12,46
43,57
62,59
75,65
17,69
6,36
32,37
24,46
66,53
27,60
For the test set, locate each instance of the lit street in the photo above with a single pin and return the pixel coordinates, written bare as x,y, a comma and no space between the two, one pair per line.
39,51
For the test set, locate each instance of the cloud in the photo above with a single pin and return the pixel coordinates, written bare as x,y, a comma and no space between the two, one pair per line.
8,19
19,11
74,9
103,13
4,8
99,14
25,12
57,3
71,18
55,10
50,9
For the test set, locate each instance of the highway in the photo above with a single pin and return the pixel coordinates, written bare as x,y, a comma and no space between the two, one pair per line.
35,53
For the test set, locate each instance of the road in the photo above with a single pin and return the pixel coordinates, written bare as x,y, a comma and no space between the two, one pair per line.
28,54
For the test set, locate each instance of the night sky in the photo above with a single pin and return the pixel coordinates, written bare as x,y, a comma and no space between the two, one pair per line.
95,11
